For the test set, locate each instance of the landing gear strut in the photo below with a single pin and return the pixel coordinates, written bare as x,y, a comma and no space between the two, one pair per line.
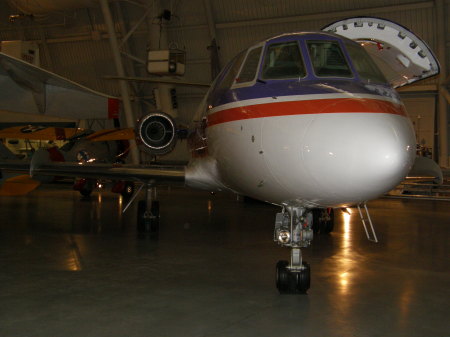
293,229
148,209
148,213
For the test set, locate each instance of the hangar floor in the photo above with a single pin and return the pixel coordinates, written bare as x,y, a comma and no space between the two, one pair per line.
75,267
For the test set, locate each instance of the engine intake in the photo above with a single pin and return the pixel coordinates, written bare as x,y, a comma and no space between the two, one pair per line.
157,132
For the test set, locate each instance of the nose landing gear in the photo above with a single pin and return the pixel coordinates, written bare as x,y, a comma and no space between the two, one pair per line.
292,281
293,229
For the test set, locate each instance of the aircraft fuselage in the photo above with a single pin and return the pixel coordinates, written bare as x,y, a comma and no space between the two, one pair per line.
310,140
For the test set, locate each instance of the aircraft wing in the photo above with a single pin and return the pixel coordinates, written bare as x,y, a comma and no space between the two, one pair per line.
112,134
41,165
17,184
52,133
26,88
38,132
402,56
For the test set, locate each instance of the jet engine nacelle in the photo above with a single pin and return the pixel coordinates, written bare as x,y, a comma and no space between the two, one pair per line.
157,133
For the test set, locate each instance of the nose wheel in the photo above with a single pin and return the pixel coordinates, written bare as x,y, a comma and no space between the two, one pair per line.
292,281
293,229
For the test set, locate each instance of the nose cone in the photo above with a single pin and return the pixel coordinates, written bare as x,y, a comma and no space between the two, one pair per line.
357,157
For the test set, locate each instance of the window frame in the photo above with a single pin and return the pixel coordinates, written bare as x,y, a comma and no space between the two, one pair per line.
302,57
253,81
227,72
372,62
345,55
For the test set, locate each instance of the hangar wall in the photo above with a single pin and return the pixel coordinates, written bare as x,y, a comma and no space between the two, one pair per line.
75,43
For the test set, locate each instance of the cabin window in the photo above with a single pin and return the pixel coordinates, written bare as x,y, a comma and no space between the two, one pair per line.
283,60
248,71
364,65
328,59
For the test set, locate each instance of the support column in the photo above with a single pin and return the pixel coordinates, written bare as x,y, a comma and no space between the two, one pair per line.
123,85
210,18
214,50
442,102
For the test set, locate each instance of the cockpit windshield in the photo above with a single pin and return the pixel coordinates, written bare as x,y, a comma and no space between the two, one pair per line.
328,59
364,65
283,60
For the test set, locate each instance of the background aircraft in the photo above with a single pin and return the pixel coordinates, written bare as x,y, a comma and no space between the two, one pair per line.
306,121
105,146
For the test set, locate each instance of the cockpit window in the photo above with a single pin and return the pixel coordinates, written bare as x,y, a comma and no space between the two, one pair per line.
229,78
327,59
283,60
248,71
225,79
364,65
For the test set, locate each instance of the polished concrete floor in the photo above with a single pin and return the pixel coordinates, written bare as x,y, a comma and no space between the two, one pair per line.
75,267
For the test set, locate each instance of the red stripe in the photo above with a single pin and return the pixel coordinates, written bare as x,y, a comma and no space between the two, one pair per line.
318,106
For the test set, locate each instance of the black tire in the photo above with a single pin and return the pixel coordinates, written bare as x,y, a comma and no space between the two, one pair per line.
154,222
282,278
86,192
289,282
322,226
316,225
329,225
142,223
303,279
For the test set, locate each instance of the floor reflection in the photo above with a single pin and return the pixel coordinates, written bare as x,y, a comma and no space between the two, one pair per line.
73,261
345,262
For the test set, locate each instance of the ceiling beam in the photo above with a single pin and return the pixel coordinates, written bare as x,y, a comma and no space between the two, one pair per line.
327,15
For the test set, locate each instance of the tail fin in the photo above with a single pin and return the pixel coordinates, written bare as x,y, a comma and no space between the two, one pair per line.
12,183
5,153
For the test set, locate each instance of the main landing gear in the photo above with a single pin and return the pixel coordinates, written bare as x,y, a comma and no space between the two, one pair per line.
148,213
147,210
293,229
323,220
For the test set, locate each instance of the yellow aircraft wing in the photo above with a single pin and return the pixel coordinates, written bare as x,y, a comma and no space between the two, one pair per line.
38,132
53,133
18,185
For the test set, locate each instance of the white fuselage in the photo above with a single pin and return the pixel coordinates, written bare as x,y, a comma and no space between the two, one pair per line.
312,159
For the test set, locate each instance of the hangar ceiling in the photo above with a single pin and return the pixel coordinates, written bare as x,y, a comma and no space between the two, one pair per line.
74,42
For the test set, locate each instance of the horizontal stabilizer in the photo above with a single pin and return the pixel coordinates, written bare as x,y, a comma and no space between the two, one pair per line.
18,185
25,88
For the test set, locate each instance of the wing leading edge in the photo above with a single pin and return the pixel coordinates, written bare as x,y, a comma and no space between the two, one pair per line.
41,165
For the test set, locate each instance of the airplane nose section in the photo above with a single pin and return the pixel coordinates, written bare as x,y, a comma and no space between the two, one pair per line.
358,157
